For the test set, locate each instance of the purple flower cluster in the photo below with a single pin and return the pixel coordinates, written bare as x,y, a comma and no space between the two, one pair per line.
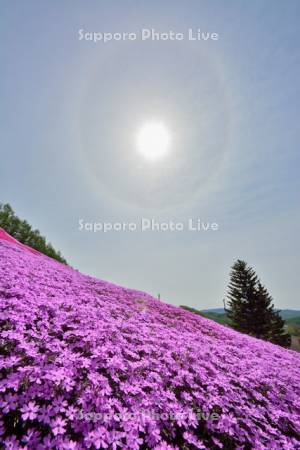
73,347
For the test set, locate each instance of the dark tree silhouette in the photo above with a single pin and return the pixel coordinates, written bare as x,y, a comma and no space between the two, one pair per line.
250,307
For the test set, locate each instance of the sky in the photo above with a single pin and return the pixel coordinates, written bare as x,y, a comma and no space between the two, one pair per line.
71,110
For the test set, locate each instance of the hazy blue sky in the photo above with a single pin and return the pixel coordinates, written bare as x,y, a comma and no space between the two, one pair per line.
70,111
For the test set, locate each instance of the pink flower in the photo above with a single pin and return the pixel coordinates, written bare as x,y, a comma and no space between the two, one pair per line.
58,426
29,411
9,403
99,438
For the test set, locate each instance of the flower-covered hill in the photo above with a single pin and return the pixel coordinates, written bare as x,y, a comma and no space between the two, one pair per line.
4,236
88,364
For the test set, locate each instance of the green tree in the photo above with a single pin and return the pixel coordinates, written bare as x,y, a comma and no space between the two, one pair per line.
250,307
23,232
262,313
278,334
241,295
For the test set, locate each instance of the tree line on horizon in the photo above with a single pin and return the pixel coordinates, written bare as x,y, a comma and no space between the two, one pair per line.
24,233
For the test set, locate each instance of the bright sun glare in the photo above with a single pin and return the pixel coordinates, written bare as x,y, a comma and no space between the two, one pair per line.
153,141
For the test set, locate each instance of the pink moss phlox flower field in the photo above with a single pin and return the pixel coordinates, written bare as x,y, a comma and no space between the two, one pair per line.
88,364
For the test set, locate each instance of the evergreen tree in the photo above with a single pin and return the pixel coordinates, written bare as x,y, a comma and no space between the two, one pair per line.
262,313
250,307
23,232
242,288
278,334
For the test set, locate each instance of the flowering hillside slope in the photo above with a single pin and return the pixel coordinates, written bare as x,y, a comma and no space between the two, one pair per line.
4,236
88,364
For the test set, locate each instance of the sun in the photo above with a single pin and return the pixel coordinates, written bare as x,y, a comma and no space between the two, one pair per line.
153,141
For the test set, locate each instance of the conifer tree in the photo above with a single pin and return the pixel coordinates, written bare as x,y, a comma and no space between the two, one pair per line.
278,334
250,307
261,316
241,294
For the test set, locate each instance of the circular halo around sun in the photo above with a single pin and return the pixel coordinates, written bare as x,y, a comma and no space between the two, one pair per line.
153,141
